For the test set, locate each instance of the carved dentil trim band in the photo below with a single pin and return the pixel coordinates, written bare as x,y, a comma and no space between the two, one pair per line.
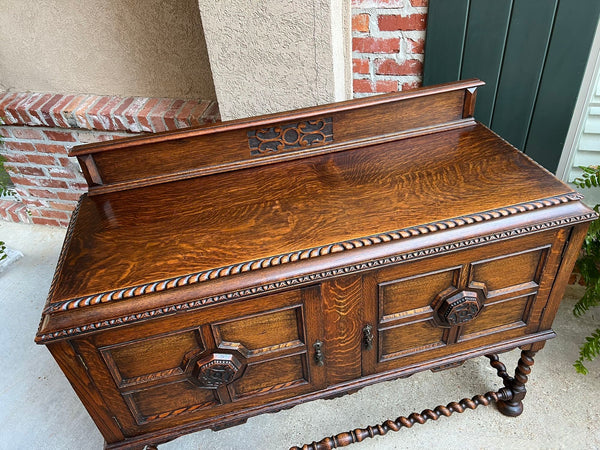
311,278
299,255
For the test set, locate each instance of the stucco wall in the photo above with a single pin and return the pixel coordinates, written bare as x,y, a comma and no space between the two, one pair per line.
276,55
150,48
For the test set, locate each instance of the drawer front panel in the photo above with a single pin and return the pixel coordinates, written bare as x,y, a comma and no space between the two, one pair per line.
449,304
219,360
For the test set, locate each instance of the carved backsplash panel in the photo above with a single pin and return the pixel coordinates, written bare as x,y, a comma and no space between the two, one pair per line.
292,136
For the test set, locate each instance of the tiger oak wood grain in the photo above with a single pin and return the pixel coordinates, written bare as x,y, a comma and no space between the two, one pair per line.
455,176
221,272
187,153
342,306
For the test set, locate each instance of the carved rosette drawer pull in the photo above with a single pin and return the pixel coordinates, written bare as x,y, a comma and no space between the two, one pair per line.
216,370
455,306
368,337
319,357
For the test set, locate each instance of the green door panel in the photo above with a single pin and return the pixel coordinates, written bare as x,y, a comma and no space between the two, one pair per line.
532,55
569,50
484,49
444,49
526,48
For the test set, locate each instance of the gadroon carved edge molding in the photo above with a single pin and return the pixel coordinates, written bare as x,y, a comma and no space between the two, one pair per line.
311,278
185,280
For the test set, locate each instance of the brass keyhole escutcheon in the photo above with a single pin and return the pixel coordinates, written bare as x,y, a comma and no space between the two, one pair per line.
368,337
319,357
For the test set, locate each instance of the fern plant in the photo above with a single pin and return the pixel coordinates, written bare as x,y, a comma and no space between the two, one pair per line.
588,263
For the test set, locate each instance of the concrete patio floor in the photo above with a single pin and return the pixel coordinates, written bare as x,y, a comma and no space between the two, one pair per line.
39,410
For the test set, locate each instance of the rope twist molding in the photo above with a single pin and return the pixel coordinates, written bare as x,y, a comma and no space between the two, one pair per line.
248,266
309,278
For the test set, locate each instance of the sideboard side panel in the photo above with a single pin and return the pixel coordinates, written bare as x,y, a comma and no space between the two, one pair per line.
76,373
570,254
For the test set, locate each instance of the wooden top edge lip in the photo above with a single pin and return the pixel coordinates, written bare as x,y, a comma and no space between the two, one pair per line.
274,118
303,254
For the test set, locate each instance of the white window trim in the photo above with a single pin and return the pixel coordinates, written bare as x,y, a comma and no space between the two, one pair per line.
586,92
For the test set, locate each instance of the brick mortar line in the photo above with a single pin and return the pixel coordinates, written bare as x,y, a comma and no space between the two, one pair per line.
79,115
86,116
161,117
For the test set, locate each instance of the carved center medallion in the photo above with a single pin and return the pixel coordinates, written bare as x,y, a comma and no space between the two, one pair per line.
292,136
462,311
215,370
456,307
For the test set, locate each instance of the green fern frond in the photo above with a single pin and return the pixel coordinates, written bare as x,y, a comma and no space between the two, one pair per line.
3,254
588,264
588,351
589,178
591,277
580,368
587,301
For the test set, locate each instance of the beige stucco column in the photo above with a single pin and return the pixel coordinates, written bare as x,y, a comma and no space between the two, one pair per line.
275,55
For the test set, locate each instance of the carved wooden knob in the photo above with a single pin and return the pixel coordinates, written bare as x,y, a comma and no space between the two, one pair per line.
215,370
456,307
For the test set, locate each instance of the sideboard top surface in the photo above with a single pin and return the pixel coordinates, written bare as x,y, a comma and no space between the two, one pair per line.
387,169
139,236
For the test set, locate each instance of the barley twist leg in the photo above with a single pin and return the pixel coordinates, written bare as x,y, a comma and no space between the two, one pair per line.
514,406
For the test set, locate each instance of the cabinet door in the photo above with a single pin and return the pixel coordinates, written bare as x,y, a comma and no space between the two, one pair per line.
205,365
443,309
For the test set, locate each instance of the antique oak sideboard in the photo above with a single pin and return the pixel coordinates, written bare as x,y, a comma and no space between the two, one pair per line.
220,272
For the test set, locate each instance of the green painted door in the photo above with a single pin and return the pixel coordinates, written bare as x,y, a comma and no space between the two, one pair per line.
532,55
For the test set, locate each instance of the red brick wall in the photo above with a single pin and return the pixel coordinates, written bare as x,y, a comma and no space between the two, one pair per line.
38,129
388,38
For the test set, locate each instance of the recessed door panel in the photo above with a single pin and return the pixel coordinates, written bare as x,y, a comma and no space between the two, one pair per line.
150,359
227,358
509,271
409,338
497,317
268,376
413,295
169,400
446,305
261,333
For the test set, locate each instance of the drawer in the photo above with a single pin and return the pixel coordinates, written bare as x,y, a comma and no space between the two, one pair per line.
213,363
433,309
